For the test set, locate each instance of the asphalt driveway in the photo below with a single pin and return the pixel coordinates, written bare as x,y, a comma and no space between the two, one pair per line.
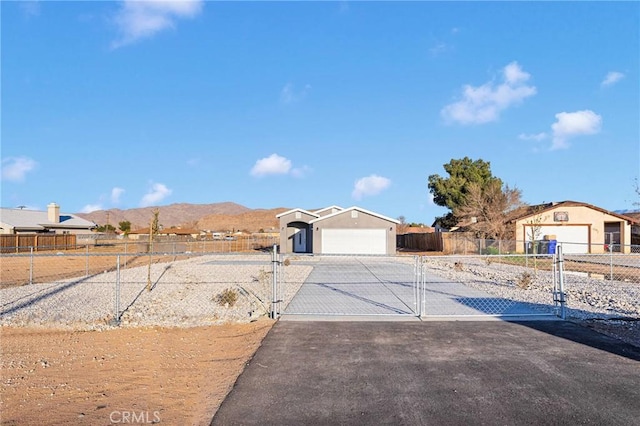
436,373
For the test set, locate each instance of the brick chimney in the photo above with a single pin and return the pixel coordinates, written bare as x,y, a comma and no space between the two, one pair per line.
53,213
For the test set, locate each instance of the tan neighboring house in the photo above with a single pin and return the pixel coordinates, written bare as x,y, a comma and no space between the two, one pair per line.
23,221
334,230
578,227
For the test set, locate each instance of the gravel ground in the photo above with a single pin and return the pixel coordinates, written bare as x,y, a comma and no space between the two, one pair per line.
610,307
192,292
199,291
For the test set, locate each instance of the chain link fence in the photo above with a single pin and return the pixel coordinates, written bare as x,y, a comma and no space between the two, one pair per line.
100,290
599,286
87,290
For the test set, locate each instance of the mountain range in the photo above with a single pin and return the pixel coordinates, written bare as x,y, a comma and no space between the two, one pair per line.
222,217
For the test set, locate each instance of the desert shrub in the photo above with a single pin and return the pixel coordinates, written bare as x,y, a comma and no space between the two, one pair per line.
228,297
525,280
286,262
457,266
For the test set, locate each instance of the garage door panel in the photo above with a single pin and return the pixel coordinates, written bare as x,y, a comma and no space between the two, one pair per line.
354,241
574,239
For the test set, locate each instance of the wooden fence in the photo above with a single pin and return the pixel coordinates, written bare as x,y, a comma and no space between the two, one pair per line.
39,242
421,242
453,243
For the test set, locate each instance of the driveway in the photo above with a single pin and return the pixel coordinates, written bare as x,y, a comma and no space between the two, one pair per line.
436,373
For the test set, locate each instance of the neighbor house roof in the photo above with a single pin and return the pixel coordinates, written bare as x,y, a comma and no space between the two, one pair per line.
35,220
527,211
296,210
351,209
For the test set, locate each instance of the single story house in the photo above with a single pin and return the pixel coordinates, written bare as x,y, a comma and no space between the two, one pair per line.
334,230
579,227
23,221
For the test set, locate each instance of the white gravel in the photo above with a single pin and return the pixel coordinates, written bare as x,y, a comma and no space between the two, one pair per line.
587,298
183,293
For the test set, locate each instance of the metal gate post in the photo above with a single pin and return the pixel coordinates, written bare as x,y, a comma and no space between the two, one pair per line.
559,296
117,293
274,282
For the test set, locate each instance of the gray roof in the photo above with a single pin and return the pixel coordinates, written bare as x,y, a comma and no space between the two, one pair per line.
35,220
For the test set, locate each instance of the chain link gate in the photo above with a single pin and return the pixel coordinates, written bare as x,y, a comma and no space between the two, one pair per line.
346,286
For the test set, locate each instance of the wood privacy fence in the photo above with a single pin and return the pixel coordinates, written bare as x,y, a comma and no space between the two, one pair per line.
453,243
39,242
421,242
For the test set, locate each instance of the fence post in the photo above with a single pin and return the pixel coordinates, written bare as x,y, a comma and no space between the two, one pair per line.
274,281
117,292
561,293
31,267
86,262
610,258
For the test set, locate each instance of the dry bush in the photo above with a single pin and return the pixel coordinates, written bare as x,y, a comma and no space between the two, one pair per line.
227,298
525,280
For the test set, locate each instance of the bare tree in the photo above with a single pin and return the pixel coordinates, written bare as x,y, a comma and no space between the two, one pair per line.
402,226
486,208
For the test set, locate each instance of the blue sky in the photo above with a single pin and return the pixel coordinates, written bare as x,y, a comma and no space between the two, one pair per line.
308,104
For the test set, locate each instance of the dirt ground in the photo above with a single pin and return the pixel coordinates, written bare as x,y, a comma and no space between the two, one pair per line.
127,375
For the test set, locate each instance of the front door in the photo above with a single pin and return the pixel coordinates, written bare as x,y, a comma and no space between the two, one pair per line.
300,241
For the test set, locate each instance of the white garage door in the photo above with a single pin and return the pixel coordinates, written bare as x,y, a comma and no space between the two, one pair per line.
574,239
354,241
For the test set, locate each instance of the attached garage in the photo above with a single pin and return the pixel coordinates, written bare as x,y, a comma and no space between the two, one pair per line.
354,231
334,230
354,241
577,227
574,239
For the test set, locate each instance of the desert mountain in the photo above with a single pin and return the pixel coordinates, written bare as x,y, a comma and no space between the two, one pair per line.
230,215
252,221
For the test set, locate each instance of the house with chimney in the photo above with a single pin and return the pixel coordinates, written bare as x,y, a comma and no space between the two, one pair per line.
23,221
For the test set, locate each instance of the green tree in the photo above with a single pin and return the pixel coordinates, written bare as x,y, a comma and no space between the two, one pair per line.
108,229
125,227
451,192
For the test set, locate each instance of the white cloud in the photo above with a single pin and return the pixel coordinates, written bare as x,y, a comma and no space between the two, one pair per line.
483,104
157,193
370,185
30,8
271,165
571,124
289,95
300,172
91,208
15,169
533,137
139,19
116,193
438,48
612,78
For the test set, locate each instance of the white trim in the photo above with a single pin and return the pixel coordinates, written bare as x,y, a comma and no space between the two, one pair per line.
328,208
296,210
358,209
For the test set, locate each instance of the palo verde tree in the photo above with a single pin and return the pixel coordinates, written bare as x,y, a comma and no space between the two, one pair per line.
451,192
